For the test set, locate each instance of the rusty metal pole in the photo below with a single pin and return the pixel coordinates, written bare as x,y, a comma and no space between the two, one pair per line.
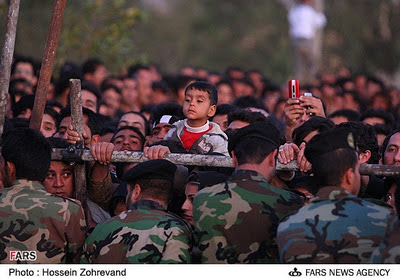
77,123
6,58
47,64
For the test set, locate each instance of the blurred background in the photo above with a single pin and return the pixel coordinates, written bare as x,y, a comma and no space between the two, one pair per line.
362,35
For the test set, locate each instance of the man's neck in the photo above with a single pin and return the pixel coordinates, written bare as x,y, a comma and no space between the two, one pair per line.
261,169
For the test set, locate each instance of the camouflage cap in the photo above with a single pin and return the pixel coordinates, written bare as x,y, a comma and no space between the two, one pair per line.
329,141
258,129
153,169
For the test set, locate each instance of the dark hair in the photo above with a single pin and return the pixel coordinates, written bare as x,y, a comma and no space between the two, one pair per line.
248,102
206,87
315,123
53,113
365,139
94,122
252,150
225,109
351,115
134,129
91,87
109,127
90,65
23,59
155,188
168,108
326,169
132,70
379,113
25,102
106,86
245,116
29,151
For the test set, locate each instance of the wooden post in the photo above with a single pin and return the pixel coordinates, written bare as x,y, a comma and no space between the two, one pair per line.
77,123
47,64
7,57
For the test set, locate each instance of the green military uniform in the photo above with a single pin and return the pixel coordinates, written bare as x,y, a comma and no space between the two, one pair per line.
389,249
33,220
335,227
236,221
146,233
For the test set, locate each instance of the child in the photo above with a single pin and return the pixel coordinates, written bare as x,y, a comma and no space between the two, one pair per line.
196,133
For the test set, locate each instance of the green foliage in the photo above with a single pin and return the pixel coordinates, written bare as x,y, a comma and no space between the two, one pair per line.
99,28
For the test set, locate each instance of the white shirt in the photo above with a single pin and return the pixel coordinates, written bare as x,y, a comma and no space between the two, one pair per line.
304,21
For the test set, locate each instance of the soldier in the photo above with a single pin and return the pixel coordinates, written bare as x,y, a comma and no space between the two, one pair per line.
336,226
236,221
48,228
146,232
389,250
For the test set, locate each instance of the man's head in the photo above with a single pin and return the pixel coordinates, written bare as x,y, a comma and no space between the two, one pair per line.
366,142
151,180
391,149
94,71
60,176
344,115
27,155
240,118
92,124
325,150
315,124
91,96
255,144
49,122
24,67
200,102
128,138
377,116
221,115
135,119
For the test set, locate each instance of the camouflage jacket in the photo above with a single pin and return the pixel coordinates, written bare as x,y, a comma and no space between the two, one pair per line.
34,220
214,140
389,250
335,227
145,233
236,221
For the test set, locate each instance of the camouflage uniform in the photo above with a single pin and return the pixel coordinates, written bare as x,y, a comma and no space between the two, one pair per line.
236,221
146,233
335,227
34,220
389,250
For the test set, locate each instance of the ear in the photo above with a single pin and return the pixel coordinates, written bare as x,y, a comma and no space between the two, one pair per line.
95,138
12,172
363,157
212,110
271,158
134,194
348,181
234,159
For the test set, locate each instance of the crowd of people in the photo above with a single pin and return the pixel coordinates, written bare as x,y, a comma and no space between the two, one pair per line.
159,212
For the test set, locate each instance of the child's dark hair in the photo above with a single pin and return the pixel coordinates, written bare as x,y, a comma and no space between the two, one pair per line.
206,87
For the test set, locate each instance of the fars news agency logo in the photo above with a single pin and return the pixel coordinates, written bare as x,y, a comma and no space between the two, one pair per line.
295,273
23,256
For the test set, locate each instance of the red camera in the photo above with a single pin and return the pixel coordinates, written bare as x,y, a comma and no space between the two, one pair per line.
294,91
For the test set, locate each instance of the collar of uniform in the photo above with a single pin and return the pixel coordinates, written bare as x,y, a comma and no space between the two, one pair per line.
27,183
146,204
330,193
248,175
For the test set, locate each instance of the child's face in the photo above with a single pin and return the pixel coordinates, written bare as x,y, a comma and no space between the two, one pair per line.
197,107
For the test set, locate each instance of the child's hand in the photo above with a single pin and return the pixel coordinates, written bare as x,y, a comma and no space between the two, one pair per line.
156,152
